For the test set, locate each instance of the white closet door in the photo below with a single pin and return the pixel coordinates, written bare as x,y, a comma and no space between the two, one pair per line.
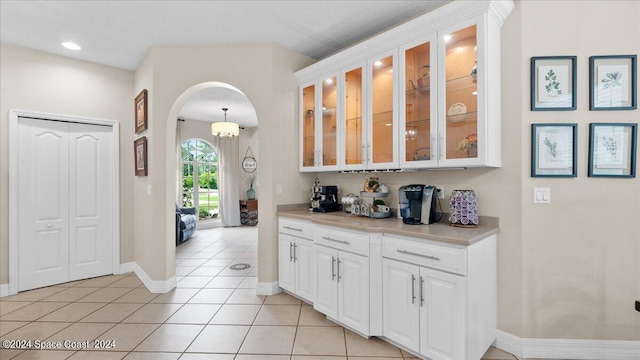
90,201
43,191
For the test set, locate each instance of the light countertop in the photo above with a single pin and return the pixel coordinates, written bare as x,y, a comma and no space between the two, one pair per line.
440,231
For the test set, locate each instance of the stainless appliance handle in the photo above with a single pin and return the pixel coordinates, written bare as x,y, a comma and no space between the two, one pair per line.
416,254
413,289
339,269
333,268
421,287
290,251
295,249
334,240
290,228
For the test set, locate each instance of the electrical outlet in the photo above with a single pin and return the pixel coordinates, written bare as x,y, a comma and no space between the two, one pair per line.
279,189
440,191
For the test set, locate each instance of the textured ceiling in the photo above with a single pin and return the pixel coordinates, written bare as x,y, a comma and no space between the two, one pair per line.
119,33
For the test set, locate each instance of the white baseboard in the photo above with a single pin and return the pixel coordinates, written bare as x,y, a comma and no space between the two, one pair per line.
154,286
127,267
268,288
4,290
568,348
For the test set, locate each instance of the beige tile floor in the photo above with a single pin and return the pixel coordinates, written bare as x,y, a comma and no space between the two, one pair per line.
214,314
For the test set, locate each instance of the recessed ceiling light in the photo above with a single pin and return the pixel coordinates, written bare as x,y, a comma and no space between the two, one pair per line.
71,46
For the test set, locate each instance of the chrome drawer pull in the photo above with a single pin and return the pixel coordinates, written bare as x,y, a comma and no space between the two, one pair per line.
333,268
416,254
338,241
290,228
413,289
421,297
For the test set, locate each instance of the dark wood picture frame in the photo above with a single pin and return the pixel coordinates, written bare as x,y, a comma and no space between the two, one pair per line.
618,75
551,156
140,111
606,158
559,73
140,156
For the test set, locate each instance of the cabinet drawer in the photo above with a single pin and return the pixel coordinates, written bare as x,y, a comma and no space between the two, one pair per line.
293,227
353,241
441,257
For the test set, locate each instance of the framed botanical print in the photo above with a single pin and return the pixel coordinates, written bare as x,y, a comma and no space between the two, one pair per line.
553,83
140,154
141,111
554,150
612,149
613,82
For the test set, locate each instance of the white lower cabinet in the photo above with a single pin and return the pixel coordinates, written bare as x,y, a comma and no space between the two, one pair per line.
342,279
423,309
432,311
295,261
434,299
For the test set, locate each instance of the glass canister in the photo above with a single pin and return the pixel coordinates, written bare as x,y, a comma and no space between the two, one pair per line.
464,208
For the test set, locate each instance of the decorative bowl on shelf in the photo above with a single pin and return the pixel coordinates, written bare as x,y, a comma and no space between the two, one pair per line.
457,112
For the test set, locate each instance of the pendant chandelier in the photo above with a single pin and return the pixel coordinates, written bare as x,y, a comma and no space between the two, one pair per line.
225,130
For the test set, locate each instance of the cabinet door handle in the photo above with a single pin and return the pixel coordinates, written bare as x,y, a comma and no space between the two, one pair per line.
440,152
421,287
339,269
413,289
290,228
333,268
364,154
335,240
416,254
369,152
290,251
295,249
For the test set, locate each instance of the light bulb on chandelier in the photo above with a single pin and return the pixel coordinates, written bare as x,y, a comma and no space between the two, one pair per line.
225,130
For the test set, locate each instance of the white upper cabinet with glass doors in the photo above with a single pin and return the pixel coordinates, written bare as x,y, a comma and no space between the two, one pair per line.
430,100
319,126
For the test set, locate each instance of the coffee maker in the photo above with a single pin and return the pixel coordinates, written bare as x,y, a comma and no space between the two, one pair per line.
417,204
325,198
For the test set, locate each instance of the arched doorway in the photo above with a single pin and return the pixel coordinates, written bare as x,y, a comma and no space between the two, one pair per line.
177,134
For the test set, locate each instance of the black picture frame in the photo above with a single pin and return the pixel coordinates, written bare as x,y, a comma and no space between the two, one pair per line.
619,78
554,150
559,92
605,157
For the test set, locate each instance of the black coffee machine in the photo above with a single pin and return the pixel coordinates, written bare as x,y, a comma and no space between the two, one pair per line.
417,204
325,198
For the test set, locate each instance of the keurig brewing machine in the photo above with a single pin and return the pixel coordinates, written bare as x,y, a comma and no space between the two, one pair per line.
417,204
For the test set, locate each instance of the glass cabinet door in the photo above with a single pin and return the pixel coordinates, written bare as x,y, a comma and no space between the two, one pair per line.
329,124
461,93
418,99
308,126
382,140
353,108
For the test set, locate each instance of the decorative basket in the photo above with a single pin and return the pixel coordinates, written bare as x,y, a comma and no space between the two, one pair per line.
464,208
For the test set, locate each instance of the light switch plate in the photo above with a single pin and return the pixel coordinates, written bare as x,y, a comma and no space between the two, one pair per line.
440,191
542,195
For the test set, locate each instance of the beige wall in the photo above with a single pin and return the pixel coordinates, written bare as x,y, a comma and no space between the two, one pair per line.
581,265
40,82
570,269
